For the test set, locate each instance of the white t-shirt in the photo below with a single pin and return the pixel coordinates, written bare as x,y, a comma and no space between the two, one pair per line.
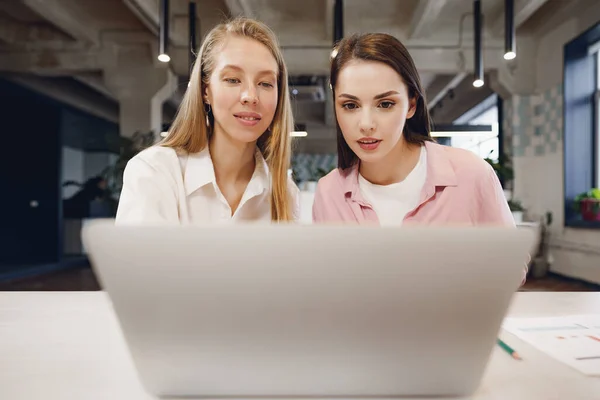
392,202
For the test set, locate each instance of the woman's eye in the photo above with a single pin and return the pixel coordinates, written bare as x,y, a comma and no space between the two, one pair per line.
386,104
267,84
232,80
349,106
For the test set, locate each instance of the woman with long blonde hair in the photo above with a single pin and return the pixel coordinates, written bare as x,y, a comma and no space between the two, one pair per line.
227,154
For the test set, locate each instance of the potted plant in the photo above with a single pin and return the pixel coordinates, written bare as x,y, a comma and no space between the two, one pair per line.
517,210
588,204
542,260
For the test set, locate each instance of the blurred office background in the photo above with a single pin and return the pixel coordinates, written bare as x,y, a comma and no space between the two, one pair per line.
82,89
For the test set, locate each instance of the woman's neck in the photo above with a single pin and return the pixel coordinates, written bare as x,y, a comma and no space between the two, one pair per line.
394,167
233,161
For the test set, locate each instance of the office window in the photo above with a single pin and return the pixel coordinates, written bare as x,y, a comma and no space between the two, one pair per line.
597,101
581,110
483,144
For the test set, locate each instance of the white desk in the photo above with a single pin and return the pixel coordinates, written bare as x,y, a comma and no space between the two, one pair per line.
64,345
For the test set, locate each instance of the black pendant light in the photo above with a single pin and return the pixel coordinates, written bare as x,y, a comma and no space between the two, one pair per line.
163,46
338,24
192,33
509,30
477,28
338,21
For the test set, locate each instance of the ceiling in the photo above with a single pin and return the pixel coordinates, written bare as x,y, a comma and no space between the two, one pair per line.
42,40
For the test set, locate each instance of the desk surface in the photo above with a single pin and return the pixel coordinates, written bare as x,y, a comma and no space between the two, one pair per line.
67,345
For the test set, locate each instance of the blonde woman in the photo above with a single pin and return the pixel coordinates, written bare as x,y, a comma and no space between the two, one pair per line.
227,153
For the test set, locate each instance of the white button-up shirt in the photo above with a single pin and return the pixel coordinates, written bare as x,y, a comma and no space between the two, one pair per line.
162,186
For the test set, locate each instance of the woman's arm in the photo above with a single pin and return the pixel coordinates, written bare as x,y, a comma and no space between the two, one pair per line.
493,207
294,200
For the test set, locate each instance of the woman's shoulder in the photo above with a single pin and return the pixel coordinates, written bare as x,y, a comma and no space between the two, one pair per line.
333,181
156,156
154,162
466,164
292,188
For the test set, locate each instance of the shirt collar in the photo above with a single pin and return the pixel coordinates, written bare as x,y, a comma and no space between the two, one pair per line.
199,171
440,172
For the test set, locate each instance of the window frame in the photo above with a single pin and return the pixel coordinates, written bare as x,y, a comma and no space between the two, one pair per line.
597,117
581,125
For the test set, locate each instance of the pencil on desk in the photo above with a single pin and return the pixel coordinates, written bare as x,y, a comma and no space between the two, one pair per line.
509,350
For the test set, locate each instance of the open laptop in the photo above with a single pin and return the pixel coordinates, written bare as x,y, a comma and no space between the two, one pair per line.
308,311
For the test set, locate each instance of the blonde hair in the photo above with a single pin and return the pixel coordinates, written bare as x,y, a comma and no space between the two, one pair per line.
190,133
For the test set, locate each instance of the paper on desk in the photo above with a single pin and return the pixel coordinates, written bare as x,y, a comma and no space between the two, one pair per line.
574,340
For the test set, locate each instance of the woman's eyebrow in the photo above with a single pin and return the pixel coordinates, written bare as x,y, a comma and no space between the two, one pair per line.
377,97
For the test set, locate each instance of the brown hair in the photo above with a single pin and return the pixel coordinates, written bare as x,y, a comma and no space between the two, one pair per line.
190,133
384,48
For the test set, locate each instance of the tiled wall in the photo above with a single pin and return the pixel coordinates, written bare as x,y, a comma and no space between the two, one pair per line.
548,121
534,123
507,126
305,166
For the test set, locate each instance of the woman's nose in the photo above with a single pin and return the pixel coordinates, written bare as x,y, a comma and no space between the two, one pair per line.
249,95
366,123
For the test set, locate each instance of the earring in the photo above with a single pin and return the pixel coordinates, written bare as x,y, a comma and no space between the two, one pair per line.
207,118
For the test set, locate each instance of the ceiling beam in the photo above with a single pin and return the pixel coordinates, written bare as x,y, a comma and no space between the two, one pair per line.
558,12
524,9
51,62
424,17
12,31
328,15
239,8
315,60
32,37
70,94
94,81
147,12
466,96
439,83
300,60
454,82
66,16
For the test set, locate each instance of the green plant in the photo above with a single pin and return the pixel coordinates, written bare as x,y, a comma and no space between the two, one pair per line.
592,194
309,172
515,205
549,218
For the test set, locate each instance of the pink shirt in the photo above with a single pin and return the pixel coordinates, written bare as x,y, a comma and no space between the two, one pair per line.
460,189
